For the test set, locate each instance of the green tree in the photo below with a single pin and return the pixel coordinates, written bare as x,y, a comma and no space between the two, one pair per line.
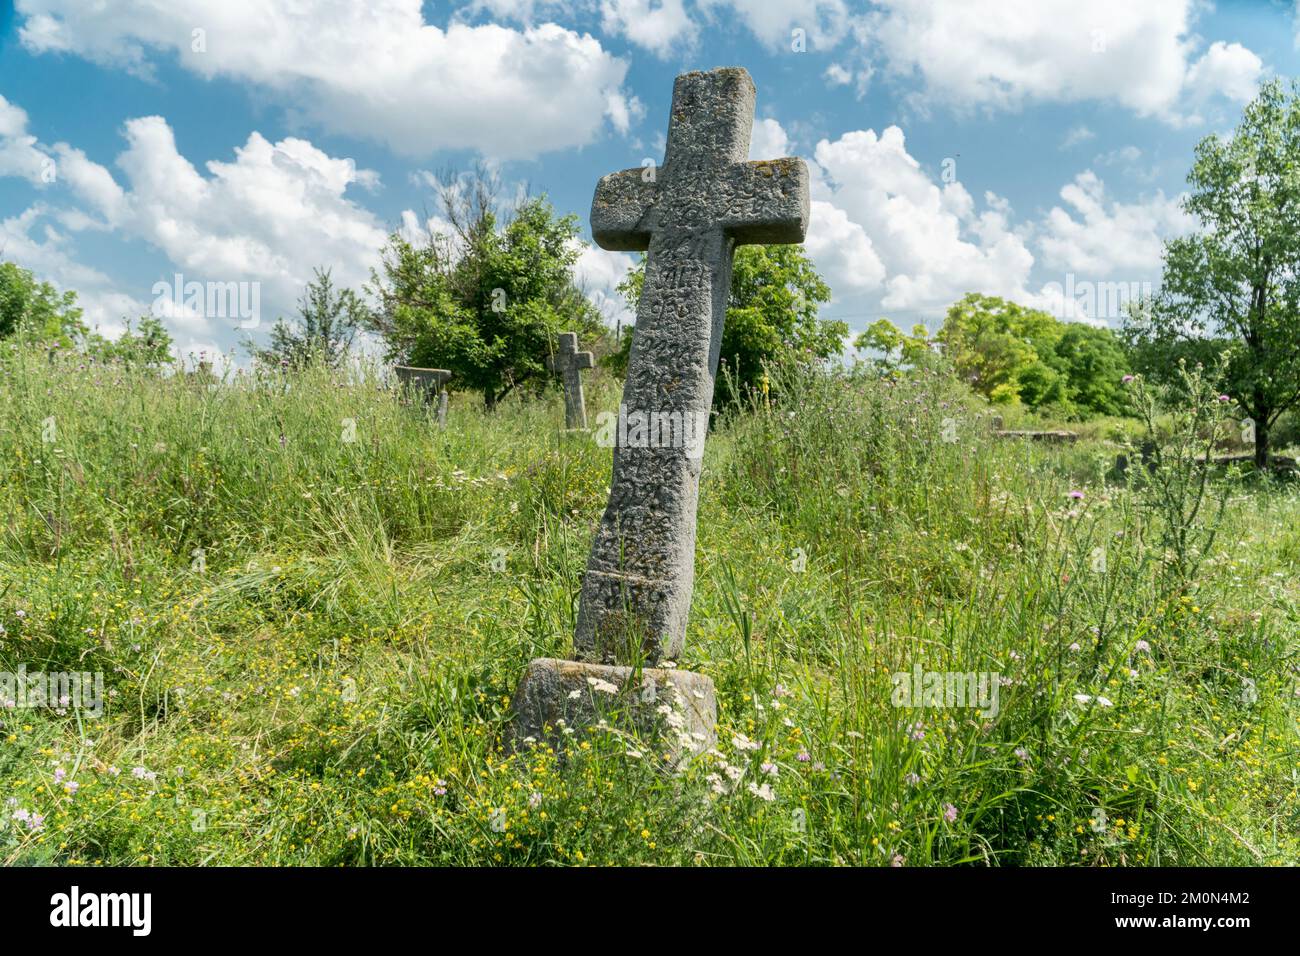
1231,291
485,298
894,349
328,321
35,309
771,312
1009,353
149,345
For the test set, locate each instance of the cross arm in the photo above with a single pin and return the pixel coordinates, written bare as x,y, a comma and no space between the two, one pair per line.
584,360
765,202
620,210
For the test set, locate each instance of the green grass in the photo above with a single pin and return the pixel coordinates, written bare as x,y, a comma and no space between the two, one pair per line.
292,590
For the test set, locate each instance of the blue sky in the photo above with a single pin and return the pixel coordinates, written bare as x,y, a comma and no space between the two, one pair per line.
1015,147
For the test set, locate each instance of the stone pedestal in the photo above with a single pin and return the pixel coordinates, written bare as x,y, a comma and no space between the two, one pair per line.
672,709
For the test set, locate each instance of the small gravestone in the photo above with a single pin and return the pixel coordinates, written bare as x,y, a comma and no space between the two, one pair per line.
429,383
636,593
1051,437
569,362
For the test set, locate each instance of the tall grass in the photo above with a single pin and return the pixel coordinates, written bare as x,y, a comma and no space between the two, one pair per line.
311,606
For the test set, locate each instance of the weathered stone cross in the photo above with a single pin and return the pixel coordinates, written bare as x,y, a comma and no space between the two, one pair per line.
569,362
691,216
636,594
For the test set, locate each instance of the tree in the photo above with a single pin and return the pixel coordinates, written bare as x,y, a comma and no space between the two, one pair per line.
33,308
1009,353
1231,291
485,296
771,312
894,349
328,321
148,346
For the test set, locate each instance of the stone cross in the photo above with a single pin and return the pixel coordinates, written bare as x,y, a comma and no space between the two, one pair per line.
569,362
690,216
636,594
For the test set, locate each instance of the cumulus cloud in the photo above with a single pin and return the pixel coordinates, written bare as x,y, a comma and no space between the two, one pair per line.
1009,53
660,26
19,154
823,22
933,242
376,70
1098,237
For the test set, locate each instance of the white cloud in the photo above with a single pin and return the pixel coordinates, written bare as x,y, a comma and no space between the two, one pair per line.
1076,135
930,243
31,241
838,75
768,141
1007,53
598,273
1228,69
823,22
660,26
268,218
375,69
19,155
1097,237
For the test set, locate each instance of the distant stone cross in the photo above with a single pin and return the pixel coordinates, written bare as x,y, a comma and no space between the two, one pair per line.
569,362
690,215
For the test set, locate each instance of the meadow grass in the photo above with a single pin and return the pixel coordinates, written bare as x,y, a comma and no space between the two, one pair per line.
311,607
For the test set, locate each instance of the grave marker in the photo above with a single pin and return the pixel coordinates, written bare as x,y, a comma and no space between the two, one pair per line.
569,362
689,216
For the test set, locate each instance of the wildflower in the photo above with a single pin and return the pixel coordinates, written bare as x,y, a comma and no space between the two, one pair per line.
1142,647
604,686
769,769
741,742
1224,399
1076,495
803,756
1074,646
1126,379
911,779
1022,754
949,812
897,860
534,800
763,793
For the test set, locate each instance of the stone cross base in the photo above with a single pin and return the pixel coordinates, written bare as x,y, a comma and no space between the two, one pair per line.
674,710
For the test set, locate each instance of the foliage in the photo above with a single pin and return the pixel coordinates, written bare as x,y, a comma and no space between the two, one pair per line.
36,310
1009,354
486,298
147,345
309,650
1231,290
328,321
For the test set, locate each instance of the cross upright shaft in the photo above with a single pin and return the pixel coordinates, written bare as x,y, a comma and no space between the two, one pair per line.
690,216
